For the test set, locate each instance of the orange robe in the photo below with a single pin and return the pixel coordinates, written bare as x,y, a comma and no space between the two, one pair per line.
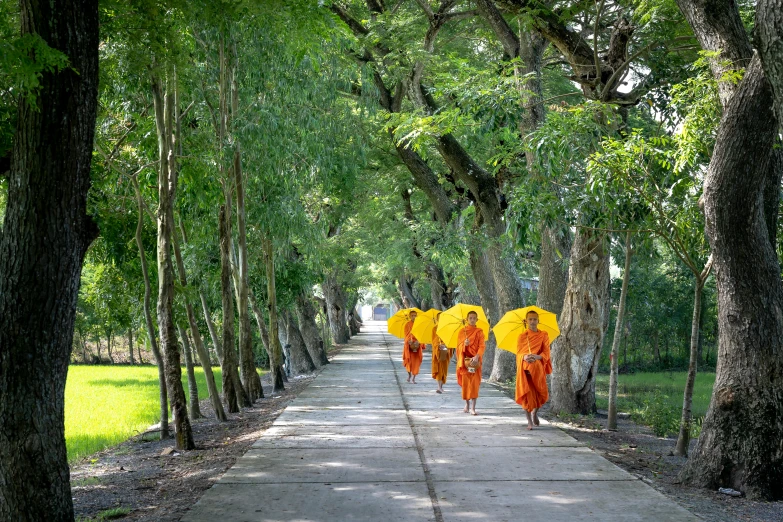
440,369
470,382
411,360
531,391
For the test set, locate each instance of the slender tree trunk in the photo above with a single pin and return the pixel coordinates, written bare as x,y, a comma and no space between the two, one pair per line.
275,350
194,410
301,362
98,345
203,355
583,326
684,437
233,392
167,182
211,327
739,446
618,332
108,347
305,312
130,344
43,241
335,305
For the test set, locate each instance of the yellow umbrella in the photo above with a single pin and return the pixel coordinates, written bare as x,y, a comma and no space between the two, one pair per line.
455,318
422,326
396,323
513,323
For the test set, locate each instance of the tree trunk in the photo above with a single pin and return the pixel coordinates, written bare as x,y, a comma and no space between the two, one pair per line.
553,269
233,393
42,245
769,28
335,306
167,182
305,312
684,437
486,289
203,355
211,327
300,359
739,443
108,347
152,334
275,350
98,345
656,348
130,344
194,410
247,360
582,326
618,332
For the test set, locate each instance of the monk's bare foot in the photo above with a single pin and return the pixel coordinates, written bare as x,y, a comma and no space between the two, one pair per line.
438,391
473,412
530,427
465,410
535,419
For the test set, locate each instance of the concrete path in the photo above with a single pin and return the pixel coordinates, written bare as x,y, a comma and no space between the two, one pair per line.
360,444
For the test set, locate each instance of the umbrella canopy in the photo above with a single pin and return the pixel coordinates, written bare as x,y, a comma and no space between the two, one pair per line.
513,323
455,318
422,326
396,323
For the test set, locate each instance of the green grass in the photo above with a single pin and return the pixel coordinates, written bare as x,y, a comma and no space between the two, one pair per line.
655,399
105,405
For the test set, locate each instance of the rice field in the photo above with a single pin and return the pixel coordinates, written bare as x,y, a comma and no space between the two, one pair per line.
655,399
105,405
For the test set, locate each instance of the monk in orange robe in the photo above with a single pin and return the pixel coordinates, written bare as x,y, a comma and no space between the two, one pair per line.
533,365
411,350
441,356
470,351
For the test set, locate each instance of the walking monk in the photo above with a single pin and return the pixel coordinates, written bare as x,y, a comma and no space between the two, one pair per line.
533,365
470,351
411,350
440,358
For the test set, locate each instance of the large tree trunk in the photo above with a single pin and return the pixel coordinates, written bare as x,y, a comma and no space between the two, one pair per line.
611,423
335,307
42,245
167,182
739,446
233,393
305,312
275,350
486,289
194,410
583,325
300,360
553,268
203,356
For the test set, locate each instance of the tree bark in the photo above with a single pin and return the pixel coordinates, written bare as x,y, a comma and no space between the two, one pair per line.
305,312
275,350
108,347
300,360
737,447
167,182
203,355
152,334
42,245
233,393
130,345
618,332
335,306
553,269
211,327
486,289
684,437
583,326
194,410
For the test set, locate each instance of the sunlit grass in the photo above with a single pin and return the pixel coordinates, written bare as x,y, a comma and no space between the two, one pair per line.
655,399
104,405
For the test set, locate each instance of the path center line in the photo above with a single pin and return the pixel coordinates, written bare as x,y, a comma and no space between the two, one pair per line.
427,476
